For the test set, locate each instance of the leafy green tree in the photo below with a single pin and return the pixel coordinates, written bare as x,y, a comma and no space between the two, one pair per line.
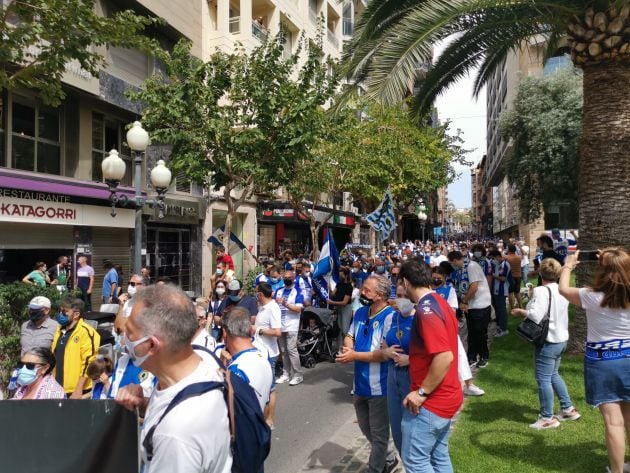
239,122
39,37
393,37
544,124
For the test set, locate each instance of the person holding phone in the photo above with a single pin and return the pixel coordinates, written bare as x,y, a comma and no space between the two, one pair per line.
607,353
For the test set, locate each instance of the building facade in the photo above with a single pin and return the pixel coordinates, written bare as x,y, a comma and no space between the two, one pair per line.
52,197
481,210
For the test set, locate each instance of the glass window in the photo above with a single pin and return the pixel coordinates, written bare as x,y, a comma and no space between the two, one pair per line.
35,143
107,134
23,120
23,154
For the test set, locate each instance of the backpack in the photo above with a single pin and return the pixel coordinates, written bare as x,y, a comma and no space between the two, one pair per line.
249,432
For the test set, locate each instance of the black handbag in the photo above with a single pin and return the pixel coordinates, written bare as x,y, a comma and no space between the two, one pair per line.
532,332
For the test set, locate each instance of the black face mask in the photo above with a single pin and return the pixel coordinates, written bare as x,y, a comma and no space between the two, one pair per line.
36,315
288,282
437,282
366,301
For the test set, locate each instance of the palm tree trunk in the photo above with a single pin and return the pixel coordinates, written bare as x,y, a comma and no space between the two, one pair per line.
604,185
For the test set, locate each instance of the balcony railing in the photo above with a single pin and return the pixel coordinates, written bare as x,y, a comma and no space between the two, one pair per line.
332,38
235,24
259,32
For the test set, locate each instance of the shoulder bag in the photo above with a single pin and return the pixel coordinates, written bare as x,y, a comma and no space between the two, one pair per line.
532,332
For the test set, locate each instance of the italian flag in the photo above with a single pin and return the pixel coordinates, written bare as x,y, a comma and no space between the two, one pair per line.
343,220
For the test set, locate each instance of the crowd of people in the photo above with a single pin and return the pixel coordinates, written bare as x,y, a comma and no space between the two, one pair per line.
413,318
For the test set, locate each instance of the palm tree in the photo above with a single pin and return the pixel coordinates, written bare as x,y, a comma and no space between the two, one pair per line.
394,36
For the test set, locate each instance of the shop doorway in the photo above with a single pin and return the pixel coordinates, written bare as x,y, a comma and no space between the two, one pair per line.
168,255
17,263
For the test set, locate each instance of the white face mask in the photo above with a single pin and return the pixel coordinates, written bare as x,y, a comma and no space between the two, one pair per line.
220,291
405,306
131,290
131,349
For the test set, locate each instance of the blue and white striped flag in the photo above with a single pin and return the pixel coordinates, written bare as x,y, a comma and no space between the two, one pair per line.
326,275
383,219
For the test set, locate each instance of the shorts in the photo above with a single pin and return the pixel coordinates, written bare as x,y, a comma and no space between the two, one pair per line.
272,361
515,285
607,381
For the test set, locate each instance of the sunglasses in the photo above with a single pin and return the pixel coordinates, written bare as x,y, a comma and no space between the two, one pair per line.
134,284
29,365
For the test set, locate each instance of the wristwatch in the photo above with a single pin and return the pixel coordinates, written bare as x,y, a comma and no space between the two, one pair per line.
422,392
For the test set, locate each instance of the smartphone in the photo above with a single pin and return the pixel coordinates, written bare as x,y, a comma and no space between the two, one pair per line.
588,255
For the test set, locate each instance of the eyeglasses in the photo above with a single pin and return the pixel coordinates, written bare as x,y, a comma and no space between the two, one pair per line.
29,365
134,284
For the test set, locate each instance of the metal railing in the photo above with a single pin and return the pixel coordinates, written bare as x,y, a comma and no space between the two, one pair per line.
333,38
235,24
259,32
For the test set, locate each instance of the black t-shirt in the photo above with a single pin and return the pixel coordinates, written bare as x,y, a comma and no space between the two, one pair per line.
248,302
343,289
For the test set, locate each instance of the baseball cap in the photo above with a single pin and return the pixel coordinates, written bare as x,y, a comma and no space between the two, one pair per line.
39,302
555,231
235,286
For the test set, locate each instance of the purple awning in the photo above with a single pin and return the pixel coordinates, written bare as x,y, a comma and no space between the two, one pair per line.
31,181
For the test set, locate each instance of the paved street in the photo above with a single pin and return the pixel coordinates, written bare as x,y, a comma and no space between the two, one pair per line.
316,429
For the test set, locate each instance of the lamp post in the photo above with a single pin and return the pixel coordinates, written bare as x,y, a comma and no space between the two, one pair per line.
423,220
114,170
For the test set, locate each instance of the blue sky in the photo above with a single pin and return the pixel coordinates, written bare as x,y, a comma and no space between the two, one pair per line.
469,115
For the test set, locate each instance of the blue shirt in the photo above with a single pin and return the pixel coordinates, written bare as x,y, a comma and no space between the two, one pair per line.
359,278
561,247
398,333
370,379
110,278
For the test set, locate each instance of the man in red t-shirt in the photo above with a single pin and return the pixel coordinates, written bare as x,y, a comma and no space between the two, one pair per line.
222,256
436,392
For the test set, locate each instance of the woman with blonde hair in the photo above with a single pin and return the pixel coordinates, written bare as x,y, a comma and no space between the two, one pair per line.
607,353
547,356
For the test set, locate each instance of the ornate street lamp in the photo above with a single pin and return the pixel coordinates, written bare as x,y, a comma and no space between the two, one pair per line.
113,172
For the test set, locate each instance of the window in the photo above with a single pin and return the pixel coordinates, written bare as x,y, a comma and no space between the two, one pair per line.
35,138
2,127
107,134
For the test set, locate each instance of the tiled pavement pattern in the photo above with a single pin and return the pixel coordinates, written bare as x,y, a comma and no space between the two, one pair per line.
348,451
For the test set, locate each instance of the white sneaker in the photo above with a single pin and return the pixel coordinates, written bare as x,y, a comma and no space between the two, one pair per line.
282,379
542,424
626,468
296,380
472,390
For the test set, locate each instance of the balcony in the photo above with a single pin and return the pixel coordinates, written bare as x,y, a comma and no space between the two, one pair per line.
235,24
333,38
259,32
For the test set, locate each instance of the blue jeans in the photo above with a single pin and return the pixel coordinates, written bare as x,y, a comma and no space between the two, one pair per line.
425,443
525,273
546,362
397,389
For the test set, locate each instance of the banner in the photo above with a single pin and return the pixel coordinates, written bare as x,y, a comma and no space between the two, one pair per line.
62,436
383,219
326,275
216,239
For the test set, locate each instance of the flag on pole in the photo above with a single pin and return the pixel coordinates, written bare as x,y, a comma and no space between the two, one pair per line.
383,219
236,245
326,275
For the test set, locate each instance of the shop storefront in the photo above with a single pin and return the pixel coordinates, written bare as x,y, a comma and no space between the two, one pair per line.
42,218
281,228
173,243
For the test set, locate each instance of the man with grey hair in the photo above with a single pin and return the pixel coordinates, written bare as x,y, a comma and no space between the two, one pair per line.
248,362
195,435
362,345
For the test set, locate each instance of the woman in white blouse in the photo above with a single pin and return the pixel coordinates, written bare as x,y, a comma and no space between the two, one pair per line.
547,357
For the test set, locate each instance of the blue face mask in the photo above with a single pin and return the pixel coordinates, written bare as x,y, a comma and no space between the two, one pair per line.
235,298
63,319
380,269
26,376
